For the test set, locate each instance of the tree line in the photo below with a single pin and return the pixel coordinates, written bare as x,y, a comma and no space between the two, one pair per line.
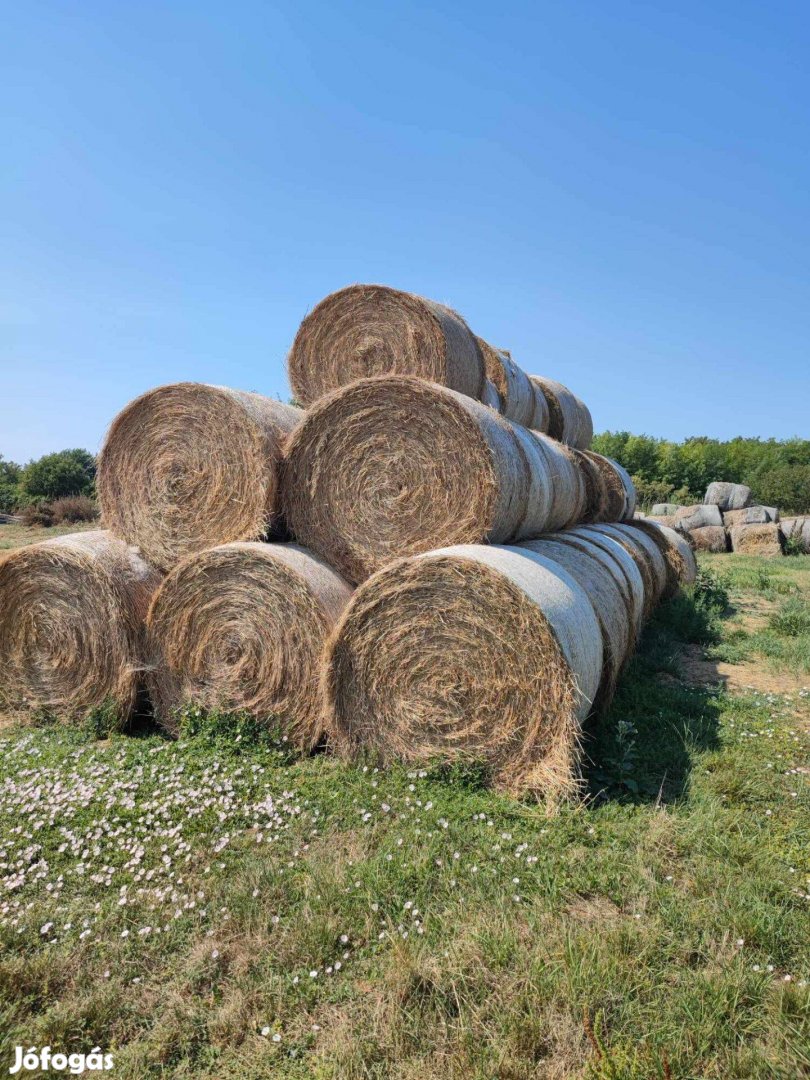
61,475
777,471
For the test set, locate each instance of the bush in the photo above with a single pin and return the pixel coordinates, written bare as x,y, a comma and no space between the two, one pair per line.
73,508
38,514
69,472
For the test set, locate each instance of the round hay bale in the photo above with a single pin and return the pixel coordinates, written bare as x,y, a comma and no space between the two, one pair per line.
597,493
479,652
603,582
665,509
632,570
677,552
728,496
569,418
652,553
617,484
71,624
241,627
394,466
797,530
188,466
640,555
709,538
697,517
491,397
522,401
765,540
367,330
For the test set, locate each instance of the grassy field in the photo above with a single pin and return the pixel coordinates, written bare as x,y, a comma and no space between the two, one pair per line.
14,536
215,908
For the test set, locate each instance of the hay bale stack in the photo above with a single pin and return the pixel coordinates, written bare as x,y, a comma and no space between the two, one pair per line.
188,466
677,551
668,521
751,515
709,538
394,466
627,574
665,509
798,530
727,496
518,398
763,540
71,624
601,577
367,330
620,493
697,517
646,557
241,627
472,651
569,418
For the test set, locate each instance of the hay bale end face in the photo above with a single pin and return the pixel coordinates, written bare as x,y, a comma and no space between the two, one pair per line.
697,517
765,540
728,496
72,613
189,466
709,538
480,652
241,627
394,466
367,330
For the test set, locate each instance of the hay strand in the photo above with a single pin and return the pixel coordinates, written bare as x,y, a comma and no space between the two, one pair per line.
188,466
71,624
241,627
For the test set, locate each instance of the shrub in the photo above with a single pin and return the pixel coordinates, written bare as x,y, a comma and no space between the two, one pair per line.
37,513
73,508
68,472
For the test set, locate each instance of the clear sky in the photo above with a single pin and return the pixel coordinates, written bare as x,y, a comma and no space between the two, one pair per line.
617,192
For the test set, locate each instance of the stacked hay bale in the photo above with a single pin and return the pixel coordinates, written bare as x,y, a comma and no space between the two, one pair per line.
501,586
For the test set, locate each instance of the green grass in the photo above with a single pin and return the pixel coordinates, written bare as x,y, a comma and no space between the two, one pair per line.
14,536
658,928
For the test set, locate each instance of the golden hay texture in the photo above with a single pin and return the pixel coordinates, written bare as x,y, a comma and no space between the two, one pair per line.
597,494
763,540
569,417
71,624
188,466
479,652
394,466
602,580
241,627
366,330
620,492
677,552
709,538
519,399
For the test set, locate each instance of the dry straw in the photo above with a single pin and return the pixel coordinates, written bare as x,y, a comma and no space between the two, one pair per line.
709,538
71,624
635,566
241,627
188,466
478,652
519,399
635,540
602,580
569,418
366,330
677,551
756,540
394,466
619,490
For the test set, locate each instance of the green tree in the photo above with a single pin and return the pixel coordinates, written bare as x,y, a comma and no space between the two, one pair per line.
68,472
10,473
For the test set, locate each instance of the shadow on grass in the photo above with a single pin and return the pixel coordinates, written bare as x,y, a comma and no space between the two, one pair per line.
642,748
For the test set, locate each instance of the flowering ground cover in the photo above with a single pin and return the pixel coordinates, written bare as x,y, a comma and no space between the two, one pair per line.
217,907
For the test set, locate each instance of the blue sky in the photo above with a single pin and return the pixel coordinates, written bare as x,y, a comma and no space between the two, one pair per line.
617,192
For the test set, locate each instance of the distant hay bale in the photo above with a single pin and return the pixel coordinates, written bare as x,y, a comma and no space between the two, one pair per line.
797,530
668,521
241,627
751,515
521,400
602,579
470,652
765,540
677,552
728,496
709,538
394,466
697,517
569,418
188,466
665,509
71,624
367,330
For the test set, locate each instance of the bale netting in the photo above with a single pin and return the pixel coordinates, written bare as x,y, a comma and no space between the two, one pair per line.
367,330
697,517
618,487
569,417
598,495
763,540
709,538
651,553
728,496
394,466
647,571
519,399
72,613
241,627
601,578
626,572
189,466
471,652
677,551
